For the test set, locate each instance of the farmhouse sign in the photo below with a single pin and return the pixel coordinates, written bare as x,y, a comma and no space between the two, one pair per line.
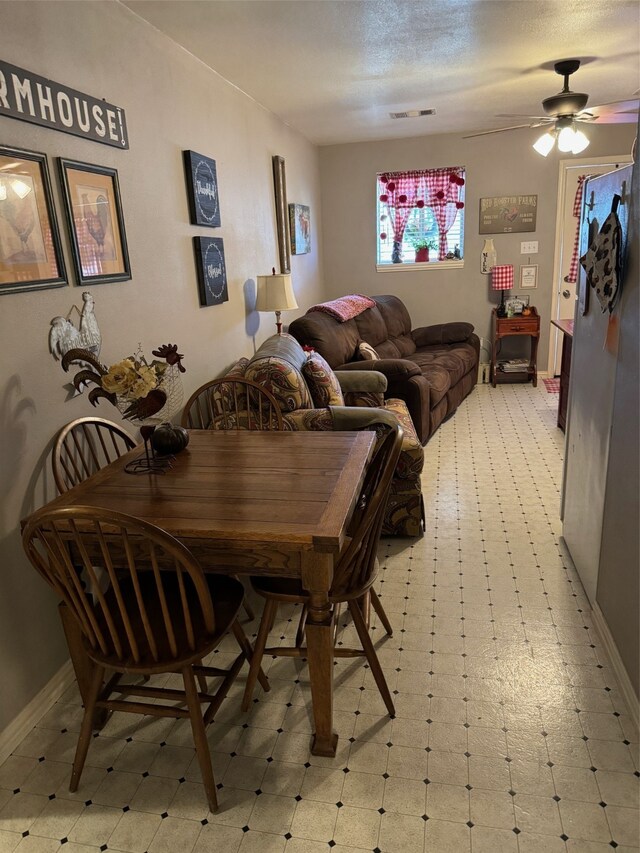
508,214
29,97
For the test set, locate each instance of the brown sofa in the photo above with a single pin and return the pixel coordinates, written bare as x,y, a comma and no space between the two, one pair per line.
431,368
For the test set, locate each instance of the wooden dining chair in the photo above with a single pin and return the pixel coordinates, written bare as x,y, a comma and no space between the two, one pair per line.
354,574
232,403
144,606
84,446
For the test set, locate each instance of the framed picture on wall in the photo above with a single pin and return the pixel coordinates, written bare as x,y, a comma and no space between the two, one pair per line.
282,220
211,270
202,189
528,276
96,224
30,251
300,229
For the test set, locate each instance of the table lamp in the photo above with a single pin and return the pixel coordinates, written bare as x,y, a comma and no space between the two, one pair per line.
502,279
275,293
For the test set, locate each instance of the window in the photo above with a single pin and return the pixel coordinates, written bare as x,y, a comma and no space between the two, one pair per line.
420,216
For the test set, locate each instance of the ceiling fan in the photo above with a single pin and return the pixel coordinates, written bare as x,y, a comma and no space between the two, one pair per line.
566,109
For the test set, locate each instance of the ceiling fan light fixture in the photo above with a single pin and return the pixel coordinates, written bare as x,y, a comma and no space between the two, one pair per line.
580,142
545,143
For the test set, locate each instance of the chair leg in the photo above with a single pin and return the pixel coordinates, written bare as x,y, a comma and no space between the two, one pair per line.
248,609
247,649
202,681
372,657
382,616
84,738
270,608
200,737
301,624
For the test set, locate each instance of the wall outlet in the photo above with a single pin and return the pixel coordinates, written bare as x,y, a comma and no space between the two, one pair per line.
530,248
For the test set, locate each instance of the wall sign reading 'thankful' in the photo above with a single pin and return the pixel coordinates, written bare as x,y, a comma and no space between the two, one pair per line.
29,97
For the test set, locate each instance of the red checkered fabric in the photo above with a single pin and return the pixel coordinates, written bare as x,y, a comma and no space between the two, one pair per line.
502,277
577,210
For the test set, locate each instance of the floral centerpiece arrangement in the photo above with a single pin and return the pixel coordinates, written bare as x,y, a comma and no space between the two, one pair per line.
140,389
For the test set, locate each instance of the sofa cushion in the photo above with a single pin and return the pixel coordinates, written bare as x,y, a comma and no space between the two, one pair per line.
367,352
283,380
398,324
322,382
371,326
238,369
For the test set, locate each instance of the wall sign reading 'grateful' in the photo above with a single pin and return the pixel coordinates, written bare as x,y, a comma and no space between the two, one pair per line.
202,189
29,97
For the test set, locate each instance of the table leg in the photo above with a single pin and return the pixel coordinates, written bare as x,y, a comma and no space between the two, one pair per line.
317,572
82,665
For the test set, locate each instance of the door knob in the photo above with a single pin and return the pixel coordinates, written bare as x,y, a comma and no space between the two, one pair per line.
566,293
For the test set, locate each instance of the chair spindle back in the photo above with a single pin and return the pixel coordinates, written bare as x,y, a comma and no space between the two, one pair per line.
139,595
355,565
232,404
83,447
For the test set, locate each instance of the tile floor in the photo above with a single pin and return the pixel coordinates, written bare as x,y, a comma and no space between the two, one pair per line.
509,735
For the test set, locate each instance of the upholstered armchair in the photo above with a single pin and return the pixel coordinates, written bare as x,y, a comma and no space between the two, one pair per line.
311,396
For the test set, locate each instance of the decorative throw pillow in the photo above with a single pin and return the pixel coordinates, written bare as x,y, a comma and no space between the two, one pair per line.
367,352
322,381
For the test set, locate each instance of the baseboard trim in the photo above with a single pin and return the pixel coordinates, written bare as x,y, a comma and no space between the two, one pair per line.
626,688
19,727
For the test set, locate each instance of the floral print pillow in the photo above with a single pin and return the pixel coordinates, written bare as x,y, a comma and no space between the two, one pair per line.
322,381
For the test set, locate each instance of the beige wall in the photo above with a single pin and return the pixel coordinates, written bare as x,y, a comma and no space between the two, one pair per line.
172,102
502,164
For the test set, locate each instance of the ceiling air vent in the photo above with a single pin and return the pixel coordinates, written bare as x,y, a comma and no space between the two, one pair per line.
413,114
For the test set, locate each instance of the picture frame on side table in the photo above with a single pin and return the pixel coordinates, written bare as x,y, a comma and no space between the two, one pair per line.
96,223
282,220
211,270
202,189
528,276
30,250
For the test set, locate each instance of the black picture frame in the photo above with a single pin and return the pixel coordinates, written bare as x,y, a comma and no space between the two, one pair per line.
202,189
31,255
96,225
211,270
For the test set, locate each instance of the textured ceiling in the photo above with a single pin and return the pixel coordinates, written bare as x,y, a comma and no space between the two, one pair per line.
334,69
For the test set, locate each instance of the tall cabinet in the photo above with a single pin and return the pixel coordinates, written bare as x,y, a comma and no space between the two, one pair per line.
600,487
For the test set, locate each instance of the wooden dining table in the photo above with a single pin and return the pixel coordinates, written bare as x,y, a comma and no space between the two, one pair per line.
273,503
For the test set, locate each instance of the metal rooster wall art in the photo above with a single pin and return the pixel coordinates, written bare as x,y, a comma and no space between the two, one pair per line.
64,336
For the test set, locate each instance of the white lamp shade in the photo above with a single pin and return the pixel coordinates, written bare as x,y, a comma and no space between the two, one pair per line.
580,142
275,293
565,139
545,143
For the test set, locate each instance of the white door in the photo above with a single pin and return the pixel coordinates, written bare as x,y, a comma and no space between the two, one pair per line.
564,295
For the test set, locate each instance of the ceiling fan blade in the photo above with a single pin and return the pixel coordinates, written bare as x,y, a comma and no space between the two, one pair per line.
519,115
616,112
497,130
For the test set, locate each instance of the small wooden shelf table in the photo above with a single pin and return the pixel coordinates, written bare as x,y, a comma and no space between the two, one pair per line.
504,327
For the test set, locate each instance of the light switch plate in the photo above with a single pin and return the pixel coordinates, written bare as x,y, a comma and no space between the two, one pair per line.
530,248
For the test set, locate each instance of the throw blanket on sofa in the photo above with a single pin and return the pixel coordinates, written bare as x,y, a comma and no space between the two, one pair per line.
346,307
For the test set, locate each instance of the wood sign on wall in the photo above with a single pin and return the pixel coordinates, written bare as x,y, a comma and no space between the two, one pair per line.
508,214
29,97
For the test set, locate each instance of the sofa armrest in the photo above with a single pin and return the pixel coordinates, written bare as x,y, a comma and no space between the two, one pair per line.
442,333
393,368
308,420
354,417
361,380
